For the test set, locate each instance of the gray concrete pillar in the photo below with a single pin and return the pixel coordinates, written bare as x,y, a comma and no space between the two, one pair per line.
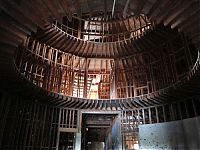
78,141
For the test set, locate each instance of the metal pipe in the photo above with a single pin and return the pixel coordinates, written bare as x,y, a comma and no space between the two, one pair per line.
113,8
125,8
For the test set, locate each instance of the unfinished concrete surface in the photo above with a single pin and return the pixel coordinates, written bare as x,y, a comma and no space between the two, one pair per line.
183,135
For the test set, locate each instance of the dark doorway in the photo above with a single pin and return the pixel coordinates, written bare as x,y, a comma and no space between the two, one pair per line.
96,129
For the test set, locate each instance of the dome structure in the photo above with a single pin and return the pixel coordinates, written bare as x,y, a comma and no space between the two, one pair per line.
91,73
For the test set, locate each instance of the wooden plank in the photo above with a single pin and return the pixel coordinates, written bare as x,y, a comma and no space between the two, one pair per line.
75,130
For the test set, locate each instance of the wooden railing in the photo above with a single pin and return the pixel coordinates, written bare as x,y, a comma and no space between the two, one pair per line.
44,61
132,27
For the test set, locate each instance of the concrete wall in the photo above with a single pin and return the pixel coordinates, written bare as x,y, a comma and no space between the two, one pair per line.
114,139
116,134
183,135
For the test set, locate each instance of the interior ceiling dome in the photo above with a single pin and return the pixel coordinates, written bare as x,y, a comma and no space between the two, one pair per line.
115,74
105,29
97,37
95,8
96,26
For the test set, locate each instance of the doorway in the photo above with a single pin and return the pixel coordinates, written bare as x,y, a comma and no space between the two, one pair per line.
100,131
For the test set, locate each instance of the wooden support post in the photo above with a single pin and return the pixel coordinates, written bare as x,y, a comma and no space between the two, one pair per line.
194,108
150,121
43,127
113,89
138,116
179,109
58,132
79,28
60,78
71,85
85,79
186,110
4,105
33,46
143,116
164,114
171,112
187,52
157,117
125,117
